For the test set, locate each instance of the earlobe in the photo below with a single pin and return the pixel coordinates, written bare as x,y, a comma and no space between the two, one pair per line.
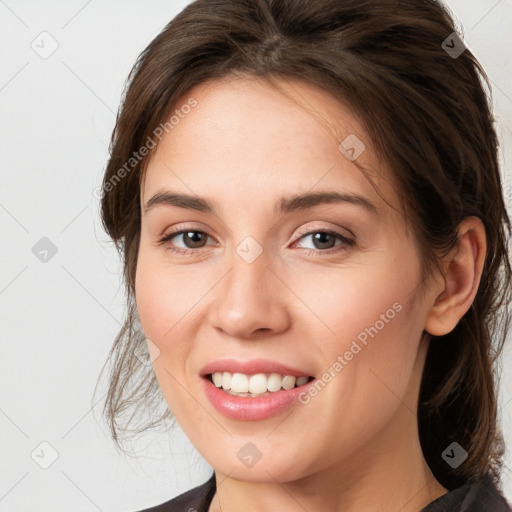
461,277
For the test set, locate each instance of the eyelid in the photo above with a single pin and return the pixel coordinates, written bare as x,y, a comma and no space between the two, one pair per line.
302,231
176,228
314,229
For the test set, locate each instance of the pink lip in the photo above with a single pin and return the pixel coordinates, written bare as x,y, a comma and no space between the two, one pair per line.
250,367
252,409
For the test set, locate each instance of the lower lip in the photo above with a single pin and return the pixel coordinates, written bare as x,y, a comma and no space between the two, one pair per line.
252,409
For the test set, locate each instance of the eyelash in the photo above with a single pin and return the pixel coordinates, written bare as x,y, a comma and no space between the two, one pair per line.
187,252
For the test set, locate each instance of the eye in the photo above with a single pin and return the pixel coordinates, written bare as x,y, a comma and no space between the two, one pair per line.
325,239
191,238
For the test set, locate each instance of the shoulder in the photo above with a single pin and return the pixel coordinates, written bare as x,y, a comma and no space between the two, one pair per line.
194,500
481,495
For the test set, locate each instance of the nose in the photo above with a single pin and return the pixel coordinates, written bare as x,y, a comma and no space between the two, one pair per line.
251,300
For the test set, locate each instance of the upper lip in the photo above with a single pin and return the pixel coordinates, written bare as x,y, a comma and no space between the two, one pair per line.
251,367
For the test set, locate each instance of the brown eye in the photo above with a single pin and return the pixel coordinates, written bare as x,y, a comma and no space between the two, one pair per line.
194,239
191,239
323,240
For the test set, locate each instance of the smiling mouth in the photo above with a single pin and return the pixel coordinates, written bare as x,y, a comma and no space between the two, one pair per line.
255,385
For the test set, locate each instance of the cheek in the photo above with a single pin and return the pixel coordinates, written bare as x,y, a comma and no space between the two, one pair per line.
170,304
164,301
363,301
368,364
161,296
151,300
366,319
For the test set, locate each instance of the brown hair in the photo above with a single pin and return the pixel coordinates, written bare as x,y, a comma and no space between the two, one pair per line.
428,117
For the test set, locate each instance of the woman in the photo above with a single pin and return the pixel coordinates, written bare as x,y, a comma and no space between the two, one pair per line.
307,199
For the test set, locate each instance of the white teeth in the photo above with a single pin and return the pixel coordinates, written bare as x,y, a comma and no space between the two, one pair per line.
217,379
256,384
226,380
301,380
288,382
239,383
274,382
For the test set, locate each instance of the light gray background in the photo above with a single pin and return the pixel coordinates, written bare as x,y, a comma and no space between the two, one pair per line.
60,317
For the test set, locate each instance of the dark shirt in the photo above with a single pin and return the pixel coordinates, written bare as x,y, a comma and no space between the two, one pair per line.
480,496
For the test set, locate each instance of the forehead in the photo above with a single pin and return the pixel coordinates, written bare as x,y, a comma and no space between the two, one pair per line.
249,138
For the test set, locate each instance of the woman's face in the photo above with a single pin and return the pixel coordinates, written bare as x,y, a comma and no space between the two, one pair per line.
258,278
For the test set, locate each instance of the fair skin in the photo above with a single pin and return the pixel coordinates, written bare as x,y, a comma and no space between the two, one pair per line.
354,446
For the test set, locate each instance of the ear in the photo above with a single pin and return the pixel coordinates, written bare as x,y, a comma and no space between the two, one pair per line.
462,270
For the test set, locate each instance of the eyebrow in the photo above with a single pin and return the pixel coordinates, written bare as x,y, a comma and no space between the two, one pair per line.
287,204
